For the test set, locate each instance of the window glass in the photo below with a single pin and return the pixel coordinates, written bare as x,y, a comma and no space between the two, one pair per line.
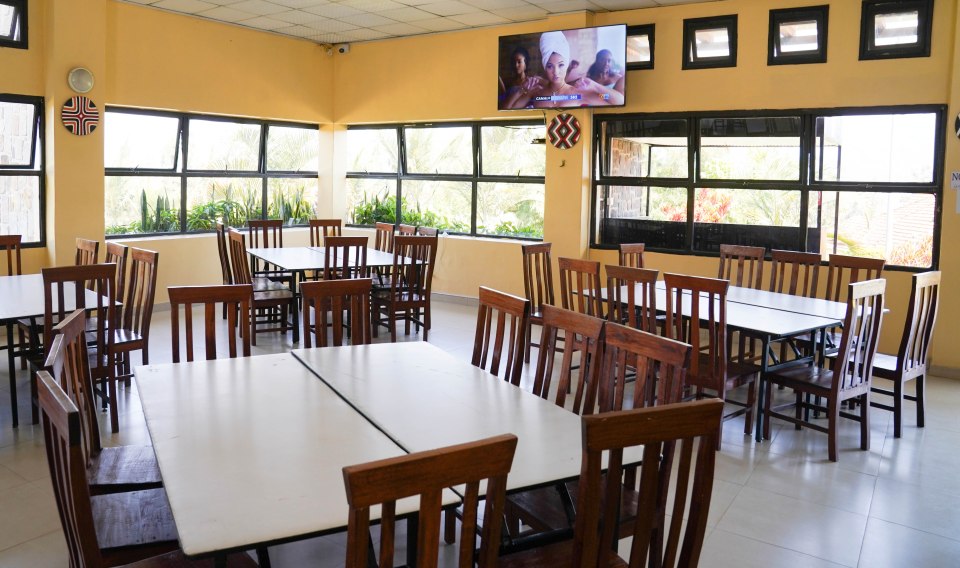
638,48
20,211
140,141
17,132
292,199
223,146
646,148
439,150
711,42
768,218
140,204
510,209
750,148
293,149
895,148
13,24
896,28
654,215
371,201
798,37
444,205
510,151
230,200
372,150
7,22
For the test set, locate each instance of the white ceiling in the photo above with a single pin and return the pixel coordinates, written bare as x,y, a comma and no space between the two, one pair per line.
344,21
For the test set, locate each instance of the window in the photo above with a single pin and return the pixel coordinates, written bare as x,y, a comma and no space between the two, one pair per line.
640,47
865,182
710,42
480,179
177,173
13,23
21,168
798,35
895,28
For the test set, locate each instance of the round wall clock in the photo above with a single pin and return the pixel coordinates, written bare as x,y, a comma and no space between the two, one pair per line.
80,116
564,131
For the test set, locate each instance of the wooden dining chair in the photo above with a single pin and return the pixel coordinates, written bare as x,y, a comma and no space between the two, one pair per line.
632,297
10,244
406,230
118,254
742,265
427,475
580,286
911,360
427,231
270,307
337,297
265,233
848,378
345,257
794,273
497,312
580,365
408,297
88,252
631,254
703,324
133,332
676,479
238,298
383,240
537,286
843,270
323,228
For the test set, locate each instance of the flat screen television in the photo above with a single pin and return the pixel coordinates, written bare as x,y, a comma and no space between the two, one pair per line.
583,67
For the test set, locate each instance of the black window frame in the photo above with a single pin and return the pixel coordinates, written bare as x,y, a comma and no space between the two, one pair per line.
19,20
690,28
871,8
648,30
36,167
819,14
180,170
475,178
807,184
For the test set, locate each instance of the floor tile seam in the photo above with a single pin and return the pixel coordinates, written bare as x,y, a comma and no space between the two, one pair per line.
59,531
925,531
873,496
727,508
824,505
801,552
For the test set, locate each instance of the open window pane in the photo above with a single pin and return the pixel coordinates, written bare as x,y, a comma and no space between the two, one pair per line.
638,214
223,146
768,218
713,42
640,46
292,199
894,148
646,148
510,209
511,151
895,28
17,133
798,35
8,21
371,200
372,150
444,205
230,200
13,23
439,150
753,148
710,42
898,227
140,141
293,149
20,207
141,204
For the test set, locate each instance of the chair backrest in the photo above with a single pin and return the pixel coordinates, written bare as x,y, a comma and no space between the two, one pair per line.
117,254
323,228
407,230
660,366
413,262
223,248
843,270
853,366
335,297
580,286
537,276
697,314
11,244
741,265
68,471
88,252
796,273
912,357
581,335
345,257
59,281
498,310
237,298
384,237
238,257
632,297
427,231
427,474
684,435
137,310
264,233
631,254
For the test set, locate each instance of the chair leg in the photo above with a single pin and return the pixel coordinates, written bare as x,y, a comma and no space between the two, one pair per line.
919,382
392,321
798,410
450,525
751,401
865,421
833,422
767,396
897,407
253,327
112,389
263,557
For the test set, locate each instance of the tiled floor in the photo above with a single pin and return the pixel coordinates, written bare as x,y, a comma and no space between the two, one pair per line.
780,503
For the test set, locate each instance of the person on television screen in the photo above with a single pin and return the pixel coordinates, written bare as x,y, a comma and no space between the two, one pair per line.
604,71
518,59
552,90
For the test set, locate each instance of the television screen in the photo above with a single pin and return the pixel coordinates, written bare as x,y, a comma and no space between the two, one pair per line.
564,68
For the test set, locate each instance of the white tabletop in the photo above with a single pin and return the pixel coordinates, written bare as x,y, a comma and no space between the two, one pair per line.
251,450
22,297
312,258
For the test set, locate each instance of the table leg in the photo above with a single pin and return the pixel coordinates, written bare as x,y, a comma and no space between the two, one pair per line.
13,375
413,526
761,385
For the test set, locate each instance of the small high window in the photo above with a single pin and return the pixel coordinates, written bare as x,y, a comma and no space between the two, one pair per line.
640,47
895,28
710,42
13,23
798,35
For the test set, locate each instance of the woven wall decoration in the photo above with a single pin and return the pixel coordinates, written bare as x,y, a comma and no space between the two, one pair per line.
564,131
80,116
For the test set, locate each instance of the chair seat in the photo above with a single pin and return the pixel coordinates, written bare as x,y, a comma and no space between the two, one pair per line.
178,560
401,297
271,297
125,337
557,554
135,518
885,366
805,378
261,284
124,468
738,374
